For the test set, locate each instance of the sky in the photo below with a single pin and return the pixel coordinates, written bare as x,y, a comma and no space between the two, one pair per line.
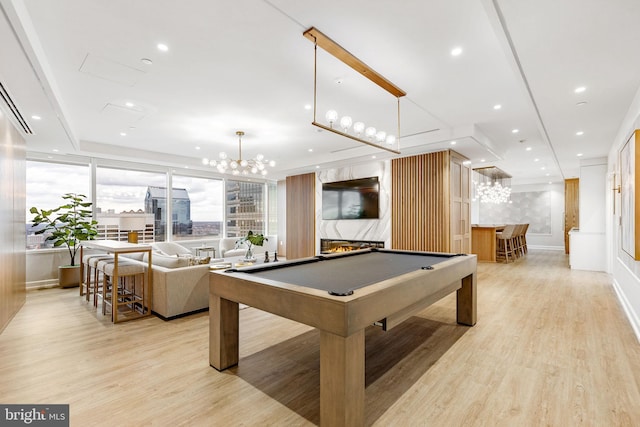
117,189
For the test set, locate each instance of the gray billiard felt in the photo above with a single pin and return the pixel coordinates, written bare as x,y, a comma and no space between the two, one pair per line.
342,274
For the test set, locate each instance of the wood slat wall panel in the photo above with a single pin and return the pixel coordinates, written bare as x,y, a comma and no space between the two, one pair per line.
420,202
301,215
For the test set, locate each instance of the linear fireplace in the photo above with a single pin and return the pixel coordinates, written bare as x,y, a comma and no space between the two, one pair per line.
328,246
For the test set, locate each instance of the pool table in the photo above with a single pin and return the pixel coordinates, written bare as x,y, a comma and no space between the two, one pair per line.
340,295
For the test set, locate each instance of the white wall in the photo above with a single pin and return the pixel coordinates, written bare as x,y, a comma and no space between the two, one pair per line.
554,239
593,189
624,269
588,243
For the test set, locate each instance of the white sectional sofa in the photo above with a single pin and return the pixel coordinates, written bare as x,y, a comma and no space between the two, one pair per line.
229,249
178,288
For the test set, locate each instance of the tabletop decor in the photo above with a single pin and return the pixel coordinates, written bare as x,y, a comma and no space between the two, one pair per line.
249,240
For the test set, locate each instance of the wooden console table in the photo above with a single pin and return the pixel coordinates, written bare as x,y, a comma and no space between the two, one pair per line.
116,248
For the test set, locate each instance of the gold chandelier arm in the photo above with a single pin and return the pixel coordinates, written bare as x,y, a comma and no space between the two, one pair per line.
239,133
355,138
335,49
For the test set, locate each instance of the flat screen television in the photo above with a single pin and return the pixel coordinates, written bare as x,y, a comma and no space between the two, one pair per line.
352,199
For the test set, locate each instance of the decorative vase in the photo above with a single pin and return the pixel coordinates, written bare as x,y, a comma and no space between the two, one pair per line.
248,256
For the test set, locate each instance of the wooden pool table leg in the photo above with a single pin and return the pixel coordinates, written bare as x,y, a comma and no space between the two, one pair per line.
341,379
466,298
223,332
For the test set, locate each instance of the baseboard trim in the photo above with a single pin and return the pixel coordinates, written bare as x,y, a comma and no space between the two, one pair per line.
548,248
633,317
42,284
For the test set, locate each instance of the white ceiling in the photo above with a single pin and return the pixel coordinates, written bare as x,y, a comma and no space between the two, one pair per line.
244,65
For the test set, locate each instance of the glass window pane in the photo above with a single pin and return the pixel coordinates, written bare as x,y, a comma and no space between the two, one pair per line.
245,208
123,192
197,208
272,189
46,184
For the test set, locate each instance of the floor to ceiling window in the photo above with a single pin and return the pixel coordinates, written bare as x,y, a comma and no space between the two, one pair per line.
201,207
127,192
46,183
245,208
197,208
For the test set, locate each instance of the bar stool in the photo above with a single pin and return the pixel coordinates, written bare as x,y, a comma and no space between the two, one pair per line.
505,245
89,263
128,291
523,239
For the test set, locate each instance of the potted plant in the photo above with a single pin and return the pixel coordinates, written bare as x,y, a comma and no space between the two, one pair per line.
69,224
251,239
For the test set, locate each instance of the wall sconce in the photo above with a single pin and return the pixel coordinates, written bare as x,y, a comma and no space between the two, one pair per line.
374,137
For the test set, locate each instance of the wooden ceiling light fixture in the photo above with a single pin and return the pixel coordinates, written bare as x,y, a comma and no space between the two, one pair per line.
333,48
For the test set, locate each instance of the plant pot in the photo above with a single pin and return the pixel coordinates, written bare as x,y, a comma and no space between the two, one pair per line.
69,276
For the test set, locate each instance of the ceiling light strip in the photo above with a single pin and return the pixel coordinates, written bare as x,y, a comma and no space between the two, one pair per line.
345,56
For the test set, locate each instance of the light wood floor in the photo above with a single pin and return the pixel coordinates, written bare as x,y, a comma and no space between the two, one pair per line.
552,347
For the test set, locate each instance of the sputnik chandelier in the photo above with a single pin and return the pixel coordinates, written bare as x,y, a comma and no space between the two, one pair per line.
240,166
374,137
492,186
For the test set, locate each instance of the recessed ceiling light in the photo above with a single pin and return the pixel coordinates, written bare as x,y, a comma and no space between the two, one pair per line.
55,150
515,131
528,148
580,89
580,133
310,150
548,174
497,107
129,104
162,47
482,160
197,148
186,167
543,168
579,154
454,142
456,51
317,166
36,117
307,107
536,160
373,157
123,134
550,182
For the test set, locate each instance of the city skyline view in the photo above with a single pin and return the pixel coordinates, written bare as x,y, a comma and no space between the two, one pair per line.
118,189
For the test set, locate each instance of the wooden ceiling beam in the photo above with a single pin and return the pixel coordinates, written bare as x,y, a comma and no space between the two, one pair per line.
352,61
